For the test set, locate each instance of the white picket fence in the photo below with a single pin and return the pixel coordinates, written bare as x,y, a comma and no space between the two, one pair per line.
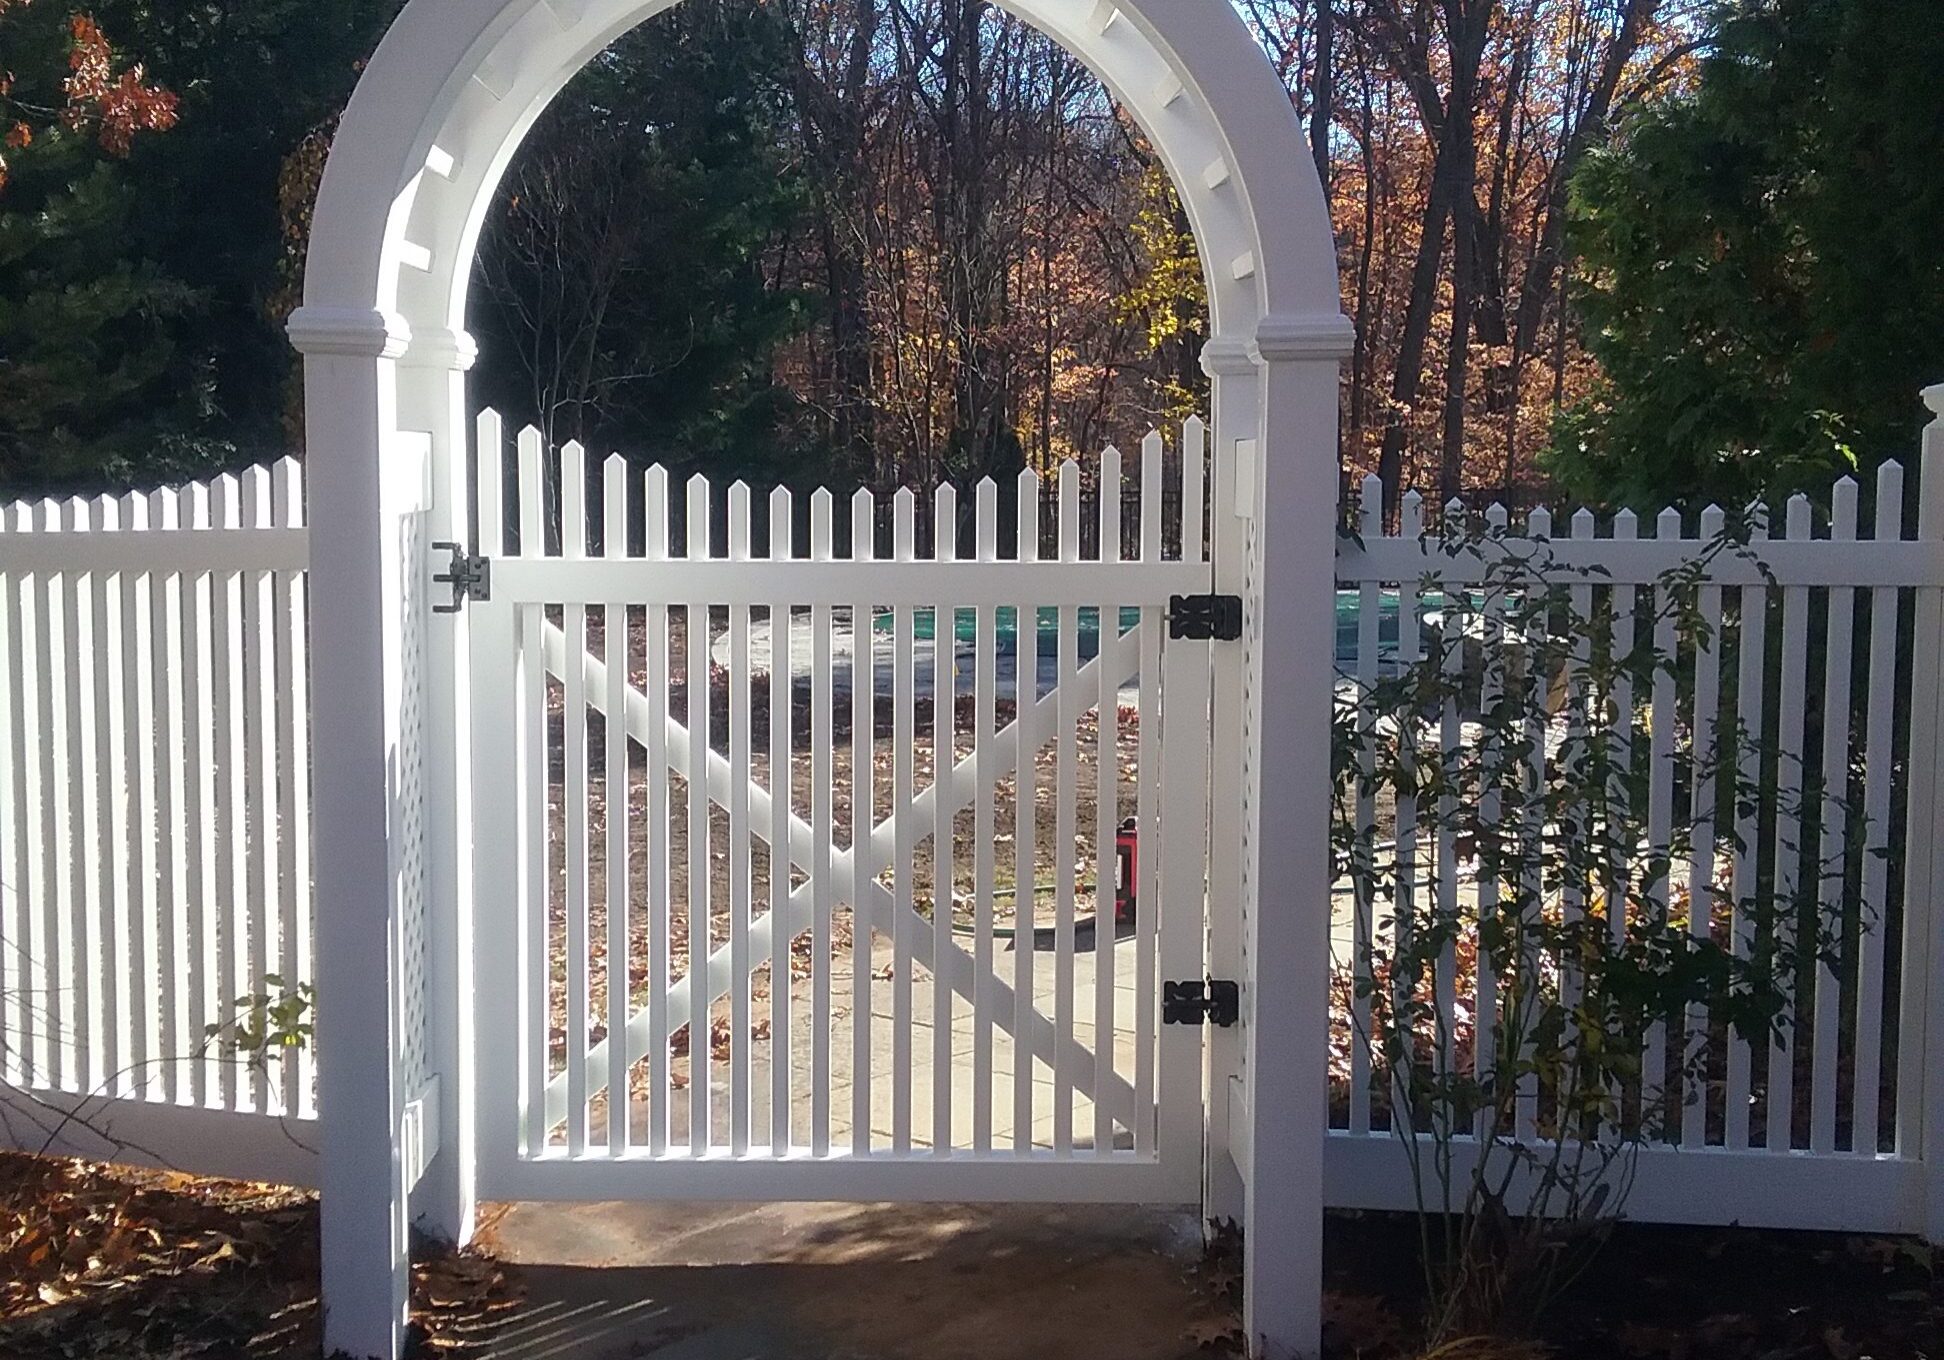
1824,1128
154,835
154,807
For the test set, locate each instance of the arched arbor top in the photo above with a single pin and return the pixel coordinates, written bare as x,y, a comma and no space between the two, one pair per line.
456,85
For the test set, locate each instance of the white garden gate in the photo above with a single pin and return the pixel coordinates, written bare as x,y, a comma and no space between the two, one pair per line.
655,708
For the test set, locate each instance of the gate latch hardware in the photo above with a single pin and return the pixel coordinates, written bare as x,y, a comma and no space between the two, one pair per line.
1198,1003
1205,618
470,576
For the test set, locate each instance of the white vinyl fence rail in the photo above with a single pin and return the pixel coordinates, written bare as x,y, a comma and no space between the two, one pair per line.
154,806
155,854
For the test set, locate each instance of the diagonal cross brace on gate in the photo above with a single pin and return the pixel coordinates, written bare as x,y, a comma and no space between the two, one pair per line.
966,775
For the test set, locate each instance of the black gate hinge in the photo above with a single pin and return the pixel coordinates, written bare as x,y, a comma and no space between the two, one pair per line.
1198,1003
1205,618
469,574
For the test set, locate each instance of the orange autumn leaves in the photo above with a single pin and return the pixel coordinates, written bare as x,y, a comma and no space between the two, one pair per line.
111,105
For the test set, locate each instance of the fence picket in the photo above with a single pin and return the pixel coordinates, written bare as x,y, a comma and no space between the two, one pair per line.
1832,826
657,808
137,755
1451,652
226,647
75,952
1660,808
616,796
984,729
944,753
1026,807
1704,756
822,778
1369,636
1532,830
1491,801
904,720
701,841
260,778
1789,784
1410,641
863,753
108,884
536,834
1750,706
1880,758
571,477
19,881
1066,817
1106,807
782,796
293,784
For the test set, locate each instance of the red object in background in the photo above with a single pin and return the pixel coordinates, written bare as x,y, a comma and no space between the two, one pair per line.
1127,865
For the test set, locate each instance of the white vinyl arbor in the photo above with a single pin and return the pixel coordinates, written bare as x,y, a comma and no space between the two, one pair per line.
440,112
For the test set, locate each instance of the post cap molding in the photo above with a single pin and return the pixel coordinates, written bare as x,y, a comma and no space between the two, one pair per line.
358,332
455,351
1225,356
1934,398
1317,335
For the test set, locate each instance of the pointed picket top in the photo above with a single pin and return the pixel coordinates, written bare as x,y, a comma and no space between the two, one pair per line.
739,521
781,522
1889,502
1626,524
1411,515
1497,517
904,525
1539,523
259,509
75,515
1585,523
822,508
1799,516
1667,524
107,513
1028,488
986,518
1713,520
698,518
863,525
1069,511
1842,509
135,511
1152,456
163,511
945,522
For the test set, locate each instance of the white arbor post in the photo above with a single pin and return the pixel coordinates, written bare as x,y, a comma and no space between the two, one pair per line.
1291,639
350,379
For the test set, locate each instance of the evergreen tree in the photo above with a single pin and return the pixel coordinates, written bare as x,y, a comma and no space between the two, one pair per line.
622,298
84,330
1762,261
